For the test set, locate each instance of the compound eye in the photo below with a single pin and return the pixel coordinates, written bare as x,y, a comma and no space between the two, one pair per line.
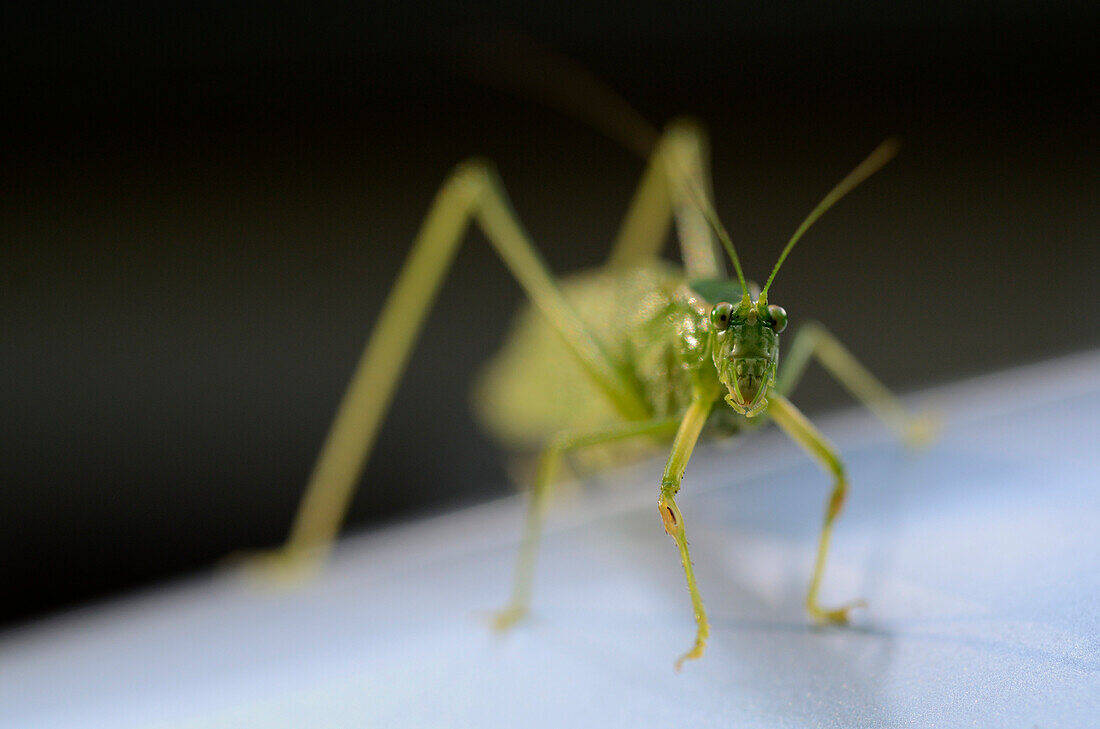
721,315
778,317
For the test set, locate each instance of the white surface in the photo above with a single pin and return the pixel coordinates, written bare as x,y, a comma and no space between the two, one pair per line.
979,558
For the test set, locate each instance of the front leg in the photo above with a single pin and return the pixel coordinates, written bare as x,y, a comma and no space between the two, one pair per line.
686,437
814,340
803,432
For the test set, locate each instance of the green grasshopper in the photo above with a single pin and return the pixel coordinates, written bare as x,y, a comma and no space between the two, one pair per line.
638,349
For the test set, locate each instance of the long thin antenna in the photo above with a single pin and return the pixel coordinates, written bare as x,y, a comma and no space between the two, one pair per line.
516,62
874,162
711,216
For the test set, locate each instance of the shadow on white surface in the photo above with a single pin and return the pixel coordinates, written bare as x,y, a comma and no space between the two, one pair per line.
978,558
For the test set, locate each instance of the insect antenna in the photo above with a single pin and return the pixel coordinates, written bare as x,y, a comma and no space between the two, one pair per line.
874,162
715,224
516,62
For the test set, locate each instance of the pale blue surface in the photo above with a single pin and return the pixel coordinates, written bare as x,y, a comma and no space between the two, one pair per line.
979,558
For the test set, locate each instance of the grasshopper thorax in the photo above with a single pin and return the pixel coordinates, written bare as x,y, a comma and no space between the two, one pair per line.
745,348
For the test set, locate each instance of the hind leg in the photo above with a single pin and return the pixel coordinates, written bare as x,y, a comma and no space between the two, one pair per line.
473,193
675,184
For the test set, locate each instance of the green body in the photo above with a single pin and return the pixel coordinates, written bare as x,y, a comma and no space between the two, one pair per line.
603,363
649,321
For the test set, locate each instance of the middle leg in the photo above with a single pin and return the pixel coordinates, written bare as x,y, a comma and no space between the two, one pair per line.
551,456
814,340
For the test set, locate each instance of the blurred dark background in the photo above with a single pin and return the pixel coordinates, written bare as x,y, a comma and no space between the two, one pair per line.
203,207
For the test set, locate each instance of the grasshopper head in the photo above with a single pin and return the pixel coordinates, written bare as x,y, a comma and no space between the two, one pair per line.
745,348
744,339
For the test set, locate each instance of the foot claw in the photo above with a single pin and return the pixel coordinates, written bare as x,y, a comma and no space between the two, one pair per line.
922,430
839,616
284,568
504,619
694,654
